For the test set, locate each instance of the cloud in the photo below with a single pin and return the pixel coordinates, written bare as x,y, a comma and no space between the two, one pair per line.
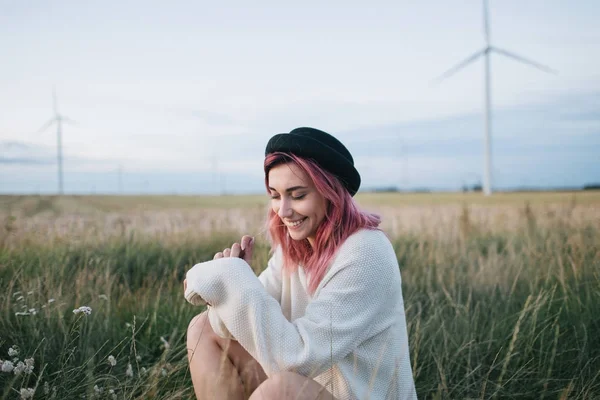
550,143
27,154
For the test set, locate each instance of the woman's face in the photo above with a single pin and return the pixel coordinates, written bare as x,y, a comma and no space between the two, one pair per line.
296,200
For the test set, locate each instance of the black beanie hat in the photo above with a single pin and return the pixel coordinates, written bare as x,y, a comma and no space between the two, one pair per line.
323,148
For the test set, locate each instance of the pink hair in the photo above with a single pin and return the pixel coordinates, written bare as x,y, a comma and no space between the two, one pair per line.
342,218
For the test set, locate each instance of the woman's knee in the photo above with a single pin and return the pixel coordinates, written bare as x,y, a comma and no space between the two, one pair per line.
198,328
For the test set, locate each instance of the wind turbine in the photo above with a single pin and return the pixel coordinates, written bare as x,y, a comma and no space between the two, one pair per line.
58,119
485,53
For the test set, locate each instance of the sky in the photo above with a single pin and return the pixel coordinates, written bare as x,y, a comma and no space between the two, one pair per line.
181,97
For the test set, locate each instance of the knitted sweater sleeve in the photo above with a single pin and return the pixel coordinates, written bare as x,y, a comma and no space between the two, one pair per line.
358,288
270,278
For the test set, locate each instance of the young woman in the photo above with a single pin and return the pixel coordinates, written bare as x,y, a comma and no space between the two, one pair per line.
325,319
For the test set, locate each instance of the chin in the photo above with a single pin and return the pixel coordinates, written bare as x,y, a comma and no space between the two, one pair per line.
297,235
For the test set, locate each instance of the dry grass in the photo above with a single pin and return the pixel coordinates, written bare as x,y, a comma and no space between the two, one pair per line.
502,296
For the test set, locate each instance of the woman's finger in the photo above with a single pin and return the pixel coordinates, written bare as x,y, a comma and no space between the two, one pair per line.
226,252
245,241
249,249
218,255
235,250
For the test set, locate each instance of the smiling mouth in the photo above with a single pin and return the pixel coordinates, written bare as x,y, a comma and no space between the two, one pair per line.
295,224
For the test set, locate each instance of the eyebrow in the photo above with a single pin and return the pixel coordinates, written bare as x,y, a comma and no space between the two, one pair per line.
290,189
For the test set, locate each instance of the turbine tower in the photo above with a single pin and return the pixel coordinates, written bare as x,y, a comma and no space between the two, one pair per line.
58,119
485,53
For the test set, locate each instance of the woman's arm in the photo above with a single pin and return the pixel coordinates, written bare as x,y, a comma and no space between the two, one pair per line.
270,279
357,298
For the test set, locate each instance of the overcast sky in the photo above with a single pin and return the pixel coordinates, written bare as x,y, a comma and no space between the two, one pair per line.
184,95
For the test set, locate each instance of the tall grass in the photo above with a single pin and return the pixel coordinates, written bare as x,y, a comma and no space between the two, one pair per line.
491,313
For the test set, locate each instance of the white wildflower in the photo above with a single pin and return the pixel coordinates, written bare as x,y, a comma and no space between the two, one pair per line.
165,343
29,365
13,351
33,311
112,360
20,298
103,297
46,388
143,371
138,358
30,293
98,389
20,368
129,371
7,366
51,301
113,395
18,313
163,372
83,309
27,393
16,293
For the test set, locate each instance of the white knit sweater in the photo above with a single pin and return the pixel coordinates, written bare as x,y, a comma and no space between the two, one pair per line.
350,336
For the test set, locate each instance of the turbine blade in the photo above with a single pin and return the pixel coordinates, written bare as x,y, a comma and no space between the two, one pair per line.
46,125
459,66
486,26
68,120
524,60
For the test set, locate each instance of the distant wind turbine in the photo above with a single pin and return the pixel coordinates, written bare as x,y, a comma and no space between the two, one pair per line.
58,119
485,52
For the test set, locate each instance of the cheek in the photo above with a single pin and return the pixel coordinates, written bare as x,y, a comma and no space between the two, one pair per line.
317,210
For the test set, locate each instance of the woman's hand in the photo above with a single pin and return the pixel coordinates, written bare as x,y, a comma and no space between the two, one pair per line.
243,250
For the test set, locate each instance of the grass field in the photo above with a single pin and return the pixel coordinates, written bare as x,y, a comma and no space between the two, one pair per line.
502,294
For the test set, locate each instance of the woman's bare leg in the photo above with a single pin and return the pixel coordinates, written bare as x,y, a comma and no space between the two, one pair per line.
220,368
292,386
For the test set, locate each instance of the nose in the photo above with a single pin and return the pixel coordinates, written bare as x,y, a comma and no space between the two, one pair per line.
285,209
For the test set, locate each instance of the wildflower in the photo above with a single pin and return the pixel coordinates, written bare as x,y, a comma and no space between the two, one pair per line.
103,297
27,393
113,395
20,368
138,358
163,372
13,351
16,293
51,301
98,389
20,298
112,360
83,309
143,371
46,388
7,366
18,313
129,371
30,293
165,343
29,365
33,311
